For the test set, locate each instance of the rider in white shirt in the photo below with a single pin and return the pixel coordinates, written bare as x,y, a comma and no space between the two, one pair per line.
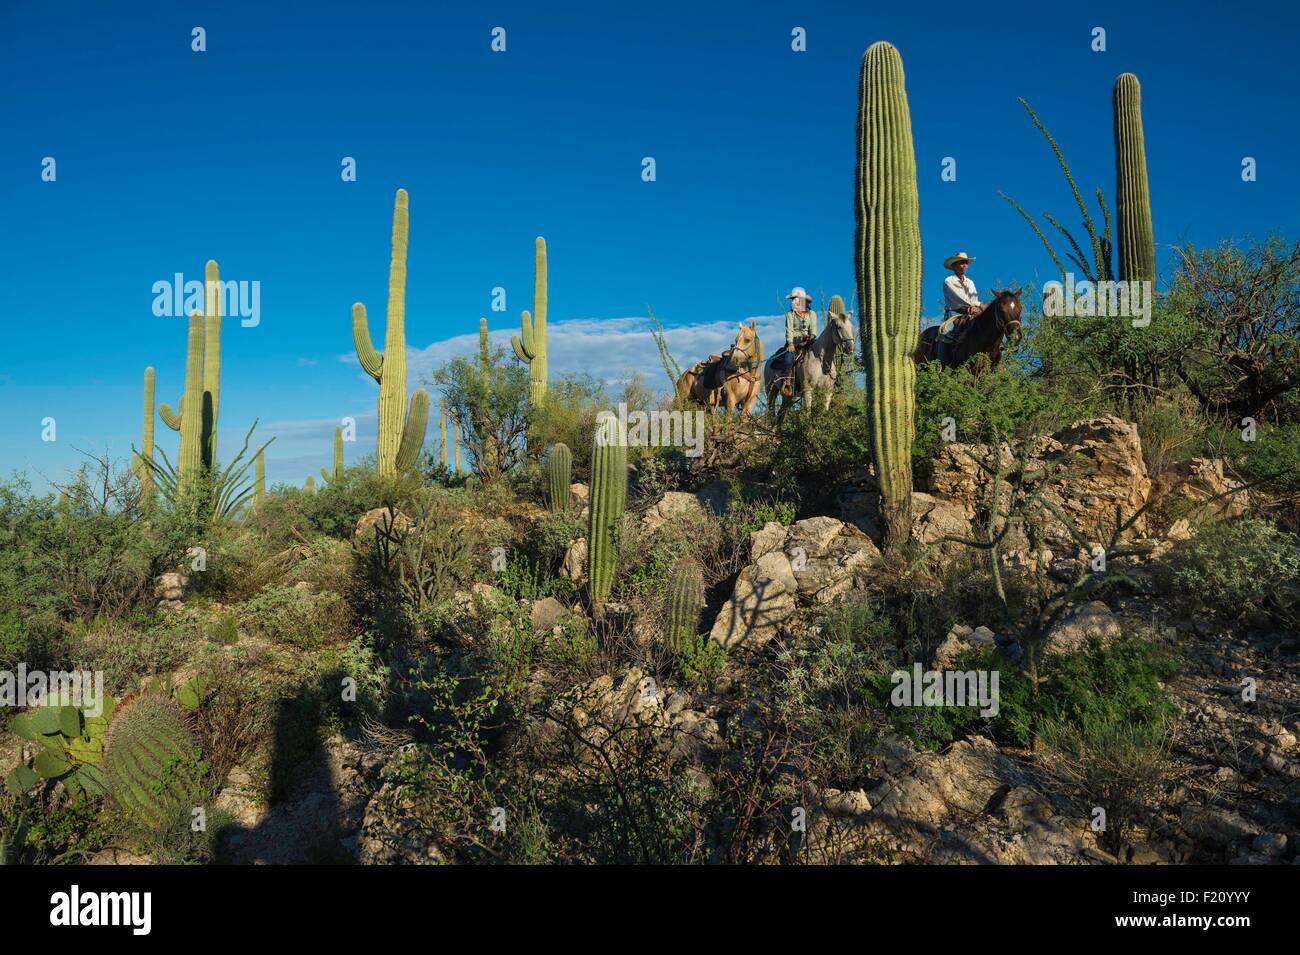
961,300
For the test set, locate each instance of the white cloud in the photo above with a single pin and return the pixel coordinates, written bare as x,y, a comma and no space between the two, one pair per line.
610,349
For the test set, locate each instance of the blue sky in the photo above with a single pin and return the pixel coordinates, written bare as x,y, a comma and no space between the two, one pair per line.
167,157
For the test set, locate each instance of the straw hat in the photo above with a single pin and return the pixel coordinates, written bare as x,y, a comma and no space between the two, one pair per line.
798,292
954,259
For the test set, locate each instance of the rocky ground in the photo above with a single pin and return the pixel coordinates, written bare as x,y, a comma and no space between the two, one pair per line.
1231,791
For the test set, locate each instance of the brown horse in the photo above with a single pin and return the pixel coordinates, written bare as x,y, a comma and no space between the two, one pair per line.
980,338
729,380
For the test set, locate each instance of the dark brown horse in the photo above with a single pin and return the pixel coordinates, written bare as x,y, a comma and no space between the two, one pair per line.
980,338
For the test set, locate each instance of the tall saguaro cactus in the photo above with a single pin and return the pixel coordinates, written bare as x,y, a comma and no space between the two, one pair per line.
608,498
211,359
145,456
530,343
485,372
327,476
455,445
1137,244
887,254
195,416
442,431
188,417
400,435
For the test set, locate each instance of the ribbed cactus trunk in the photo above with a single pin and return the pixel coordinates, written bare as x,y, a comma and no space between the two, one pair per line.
608,498
398,435
195,416
455,445
1137,244
559,476
211,360
685,598
310,486
143,471
259,481
530,343
887,251
337,473
442,431
489,463
190,421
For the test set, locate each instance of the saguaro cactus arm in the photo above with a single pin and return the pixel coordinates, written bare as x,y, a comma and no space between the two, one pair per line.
413,433
523,342
172,418
371,360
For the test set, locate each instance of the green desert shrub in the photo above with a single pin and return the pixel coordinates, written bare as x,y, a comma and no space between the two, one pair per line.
1093,690
127,651
296,617
1235,570
1004,402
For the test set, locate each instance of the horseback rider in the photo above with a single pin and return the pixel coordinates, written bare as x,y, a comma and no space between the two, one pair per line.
961,301
800,330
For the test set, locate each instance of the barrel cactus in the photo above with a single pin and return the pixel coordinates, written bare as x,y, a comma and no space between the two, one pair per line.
559,475
530,343
608,497
887,252
400,435
1137,244
685,599
151,760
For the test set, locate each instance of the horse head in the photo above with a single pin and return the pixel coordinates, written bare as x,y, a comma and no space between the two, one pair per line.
1009,313
746,351
843,331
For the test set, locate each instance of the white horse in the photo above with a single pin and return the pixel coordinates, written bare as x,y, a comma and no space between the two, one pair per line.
814,370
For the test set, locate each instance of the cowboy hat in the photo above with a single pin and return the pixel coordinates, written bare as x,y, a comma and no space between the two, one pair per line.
954,259
798,292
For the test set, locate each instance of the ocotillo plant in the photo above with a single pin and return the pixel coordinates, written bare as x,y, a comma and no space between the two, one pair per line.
608,497
559,475
145,456
685,598
259,480
530,343
326,476
887,252
400,435
1137,244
